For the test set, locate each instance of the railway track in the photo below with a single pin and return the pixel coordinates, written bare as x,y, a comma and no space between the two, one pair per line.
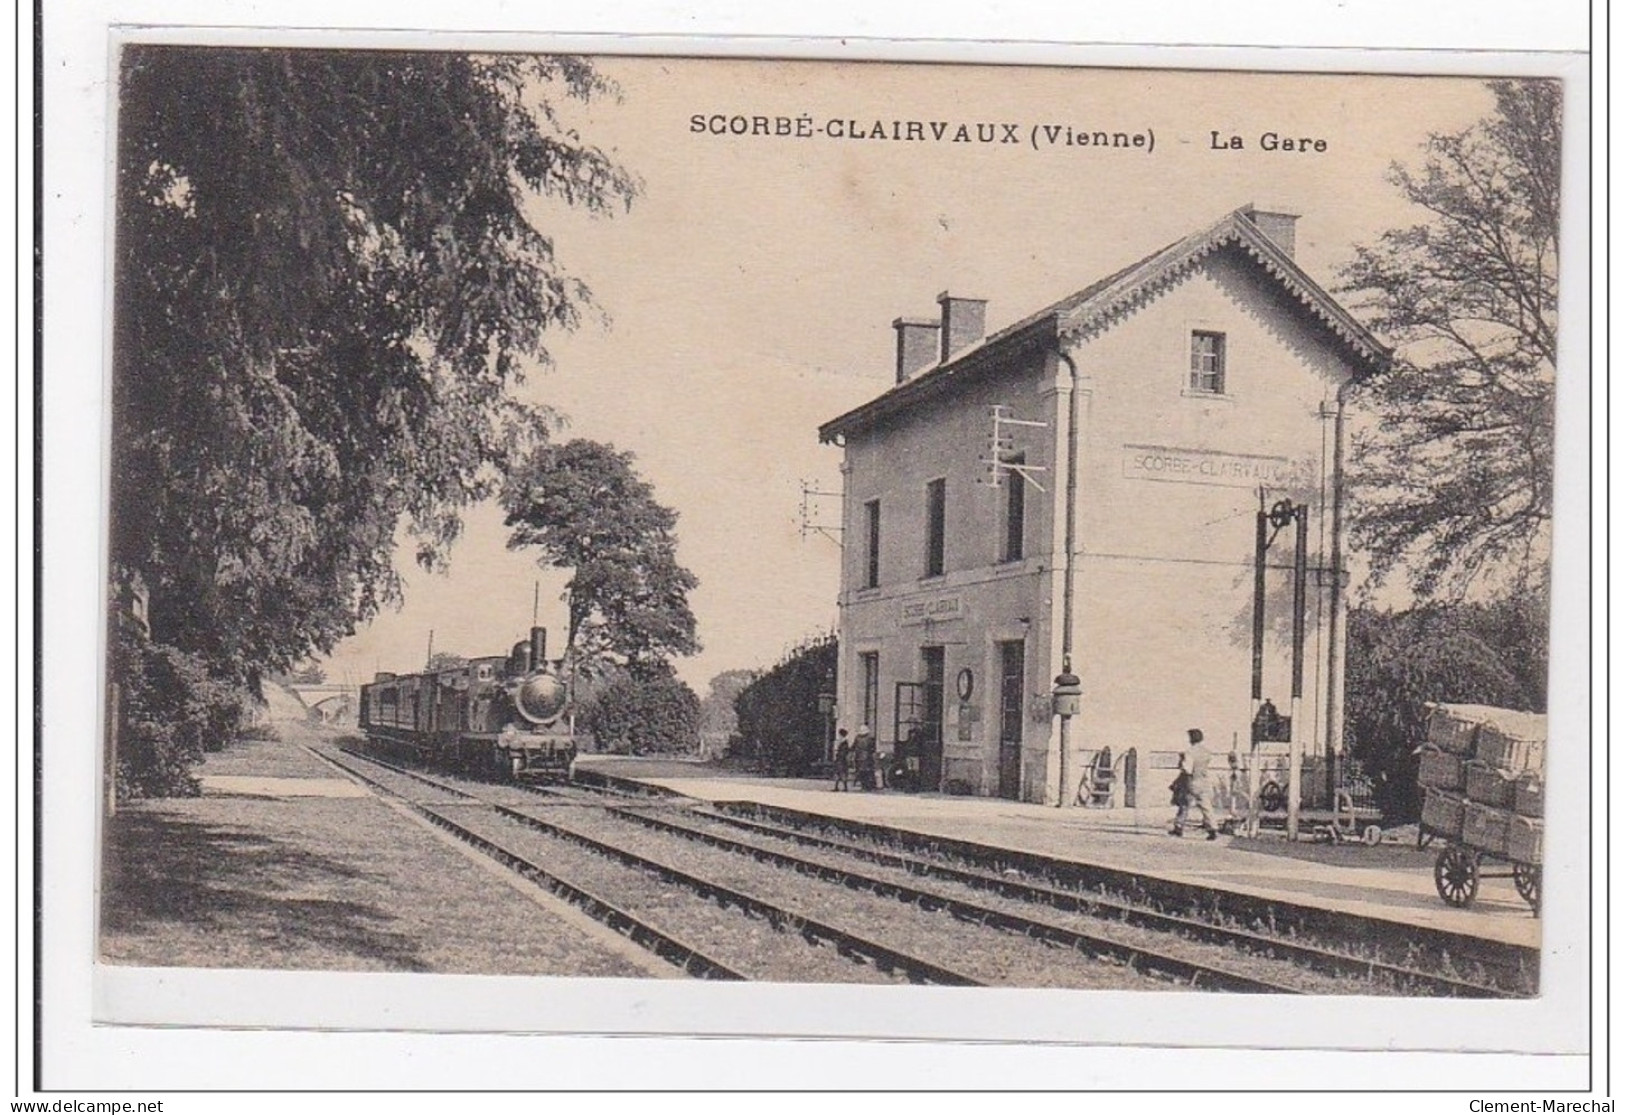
1501,969
1027,894
468,816
669,948
1191,951
1052,946
1308,936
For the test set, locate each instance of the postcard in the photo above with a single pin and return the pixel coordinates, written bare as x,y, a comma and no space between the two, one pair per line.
649,543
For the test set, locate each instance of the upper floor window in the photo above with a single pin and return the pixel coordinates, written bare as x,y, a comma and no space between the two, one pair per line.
936,526
871,542
1207,362
1015,509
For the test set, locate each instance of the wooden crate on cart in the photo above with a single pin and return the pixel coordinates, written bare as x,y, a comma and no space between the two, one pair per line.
1529,796
1441,770
1442,812
1516,744
1487,784
1454,728
1484,827
1524,838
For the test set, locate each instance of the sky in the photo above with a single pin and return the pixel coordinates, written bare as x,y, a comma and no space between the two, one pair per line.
748,294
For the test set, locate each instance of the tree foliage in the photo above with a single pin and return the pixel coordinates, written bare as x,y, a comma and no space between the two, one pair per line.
1472,653
779,721
583,505
304,673
717,714
654,713
1455,484
326,281
171,710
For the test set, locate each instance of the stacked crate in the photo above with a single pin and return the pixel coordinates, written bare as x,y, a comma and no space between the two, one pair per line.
1482,781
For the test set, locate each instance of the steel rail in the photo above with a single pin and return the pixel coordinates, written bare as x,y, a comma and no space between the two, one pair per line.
1195,973
885,957
847,944
671,949
1511,961
1313,956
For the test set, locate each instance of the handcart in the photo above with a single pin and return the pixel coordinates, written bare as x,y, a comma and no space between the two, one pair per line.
1460,866
1484,798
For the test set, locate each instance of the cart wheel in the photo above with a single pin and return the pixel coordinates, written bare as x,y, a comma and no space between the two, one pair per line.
1527,879
1372,836
1271,797
1455,873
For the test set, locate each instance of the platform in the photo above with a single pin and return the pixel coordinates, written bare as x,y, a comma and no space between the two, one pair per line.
1392,881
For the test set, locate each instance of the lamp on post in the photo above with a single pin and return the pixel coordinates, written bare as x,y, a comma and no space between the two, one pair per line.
1066,701
826,709
1283,514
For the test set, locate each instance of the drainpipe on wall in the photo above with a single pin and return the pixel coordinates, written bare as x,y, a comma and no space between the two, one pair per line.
1069,575
1337,622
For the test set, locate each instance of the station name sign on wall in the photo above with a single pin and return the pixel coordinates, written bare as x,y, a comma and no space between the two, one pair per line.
933,609
1206,466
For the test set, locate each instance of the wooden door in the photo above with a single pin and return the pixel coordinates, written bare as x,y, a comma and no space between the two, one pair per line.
1012,689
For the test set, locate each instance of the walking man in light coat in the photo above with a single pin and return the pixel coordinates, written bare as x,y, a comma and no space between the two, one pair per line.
1195,763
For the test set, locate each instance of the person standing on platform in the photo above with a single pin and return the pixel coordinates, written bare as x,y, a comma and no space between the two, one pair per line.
863,752
843,761
1195,763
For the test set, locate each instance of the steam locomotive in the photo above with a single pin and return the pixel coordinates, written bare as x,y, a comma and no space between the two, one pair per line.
497,715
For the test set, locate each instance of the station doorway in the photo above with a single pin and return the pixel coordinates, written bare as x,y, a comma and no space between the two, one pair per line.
918,724
1012,688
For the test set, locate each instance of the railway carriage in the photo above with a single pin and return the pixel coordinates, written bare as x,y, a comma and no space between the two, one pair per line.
500,714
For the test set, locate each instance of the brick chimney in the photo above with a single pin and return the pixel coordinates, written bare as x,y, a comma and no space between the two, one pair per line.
963,321
1281,228
916,345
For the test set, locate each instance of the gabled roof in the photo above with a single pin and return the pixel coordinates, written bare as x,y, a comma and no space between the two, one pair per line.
1101,304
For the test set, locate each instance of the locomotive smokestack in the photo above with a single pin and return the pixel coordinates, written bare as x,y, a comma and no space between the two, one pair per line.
538,647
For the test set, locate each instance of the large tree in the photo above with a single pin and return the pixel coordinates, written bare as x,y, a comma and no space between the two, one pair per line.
327,279
1455,484
583,505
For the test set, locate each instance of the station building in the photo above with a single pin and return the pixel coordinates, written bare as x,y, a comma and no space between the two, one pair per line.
1082,490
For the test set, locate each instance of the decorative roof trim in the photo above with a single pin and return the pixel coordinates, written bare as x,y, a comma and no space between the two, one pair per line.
1151,276
1097,307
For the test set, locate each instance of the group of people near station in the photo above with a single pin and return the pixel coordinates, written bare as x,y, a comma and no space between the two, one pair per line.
856,756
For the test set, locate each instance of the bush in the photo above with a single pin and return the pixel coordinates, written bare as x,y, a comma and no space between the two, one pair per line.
650,715
778,713
171,711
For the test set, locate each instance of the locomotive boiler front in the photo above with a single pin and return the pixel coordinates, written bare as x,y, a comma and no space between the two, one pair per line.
536,692
539,697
